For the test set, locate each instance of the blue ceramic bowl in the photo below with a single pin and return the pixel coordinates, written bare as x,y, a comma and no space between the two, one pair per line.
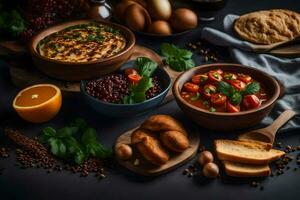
125,110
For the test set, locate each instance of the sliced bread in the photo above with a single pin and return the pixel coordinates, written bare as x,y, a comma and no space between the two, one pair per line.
256,153
246,170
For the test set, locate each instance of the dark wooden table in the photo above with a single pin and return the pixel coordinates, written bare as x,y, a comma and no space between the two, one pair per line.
121,184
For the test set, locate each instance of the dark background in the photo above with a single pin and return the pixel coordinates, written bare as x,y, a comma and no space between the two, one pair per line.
121,184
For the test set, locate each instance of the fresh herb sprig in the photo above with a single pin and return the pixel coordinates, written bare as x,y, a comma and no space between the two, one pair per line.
137,93
11,22
234,95
177,58
63,142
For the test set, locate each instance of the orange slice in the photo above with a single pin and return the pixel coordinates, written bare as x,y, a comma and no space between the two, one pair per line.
38,103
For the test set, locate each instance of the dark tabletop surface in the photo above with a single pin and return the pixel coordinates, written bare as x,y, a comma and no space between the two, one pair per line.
121,184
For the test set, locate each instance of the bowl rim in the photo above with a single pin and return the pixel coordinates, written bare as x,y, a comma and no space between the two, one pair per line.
60,26
273,98
84,82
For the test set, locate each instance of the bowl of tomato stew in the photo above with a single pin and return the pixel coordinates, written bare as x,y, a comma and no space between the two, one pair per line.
226,96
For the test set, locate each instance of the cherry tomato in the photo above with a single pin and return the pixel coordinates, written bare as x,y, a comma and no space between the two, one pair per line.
229,76
134,78
218,99
232,108
251,101
245,78
208,90
214,76
199,78
237,84
219,71
130,71
191,87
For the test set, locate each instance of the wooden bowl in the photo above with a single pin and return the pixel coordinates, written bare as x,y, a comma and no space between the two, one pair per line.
227,121
75,71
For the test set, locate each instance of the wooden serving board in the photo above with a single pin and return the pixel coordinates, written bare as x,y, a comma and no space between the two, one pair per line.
147,169
23,73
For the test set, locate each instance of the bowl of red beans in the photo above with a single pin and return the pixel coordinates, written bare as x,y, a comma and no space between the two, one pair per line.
137,87
226,96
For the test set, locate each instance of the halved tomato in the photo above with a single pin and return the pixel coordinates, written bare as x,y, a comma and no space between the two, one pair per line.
218,99
232,108
214,76
229,76
191,87
218,71
208,90
134,78
130,71
199,78
237,84
251,101
245,78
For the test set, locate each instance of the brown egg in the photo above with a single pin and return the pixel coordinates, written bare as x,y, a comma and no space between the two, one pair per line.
183,19
160,9
141,2
121,8
160,27
137,17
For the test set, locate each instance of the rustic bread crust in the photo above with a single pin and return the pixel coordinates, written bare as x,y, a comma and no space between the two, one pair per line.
160,123
149,147
268,26
241,159
246,170
175,140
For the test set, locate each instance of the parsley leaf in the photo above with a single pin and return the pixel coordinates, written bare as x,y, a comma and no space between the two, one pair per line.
145,66
236,98
137,93
177,58
225,89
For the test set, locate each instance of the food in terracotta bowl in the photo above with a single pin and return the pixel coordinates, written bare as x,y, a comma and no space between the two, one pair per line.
137,87
81,49
226,96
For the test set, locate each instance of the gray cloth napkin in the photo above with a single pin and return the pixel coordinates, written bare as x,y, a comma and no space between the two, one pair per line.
287,70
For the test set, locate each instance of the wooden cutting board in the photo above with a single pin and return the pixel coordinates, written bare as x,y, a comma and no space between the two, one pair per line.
147,169
23,73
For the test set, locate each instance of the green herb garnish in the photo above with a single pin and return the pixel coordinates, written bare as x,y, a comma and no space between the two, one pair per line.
11,22
212,109
234,95
195,97
63,142
177,58
137,93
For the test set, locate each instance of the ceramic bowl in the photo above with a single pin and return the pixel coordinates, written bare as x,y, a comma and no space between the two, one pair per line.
227,121
126,110
72,71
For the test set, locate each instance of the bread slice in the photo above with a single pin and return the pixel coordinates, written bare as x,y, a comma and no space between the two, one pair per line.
246,170
256,153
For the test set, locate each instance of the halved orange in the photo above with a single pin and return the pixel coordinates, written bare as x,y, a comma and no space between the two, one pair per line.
38,103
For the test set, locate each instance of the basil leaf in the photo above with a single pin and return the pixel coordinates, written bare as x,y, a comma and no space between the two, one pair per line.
89,136
65,132
49,131
138,92
72,145
236,98
225,88
80,123
252,88
53,146
80,157
145,66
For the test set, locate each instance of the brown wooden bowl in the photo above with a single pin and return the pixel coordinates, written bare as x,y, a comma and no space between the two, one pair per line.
75,71
227,121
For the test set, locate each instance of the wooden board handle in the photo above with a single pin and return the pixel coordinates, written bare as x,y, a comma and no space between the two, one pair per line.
280,121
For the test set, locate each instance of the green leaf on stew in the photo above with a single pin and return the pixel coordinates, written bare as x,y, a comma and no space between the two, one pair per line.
252,88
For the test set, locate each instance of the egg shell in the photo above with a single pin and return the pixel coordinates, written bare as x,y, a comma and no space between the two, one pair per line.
121,8
183,19
160,27
160,9
141,2
137,17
